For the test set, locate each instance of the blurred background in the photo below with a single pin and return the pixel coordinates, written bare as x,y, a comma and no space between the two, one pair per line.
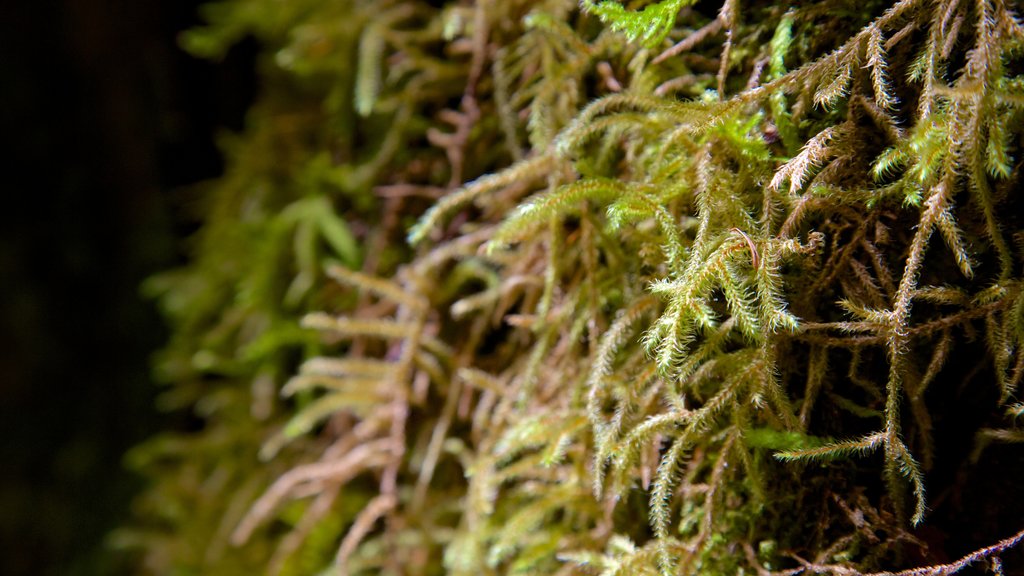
106,124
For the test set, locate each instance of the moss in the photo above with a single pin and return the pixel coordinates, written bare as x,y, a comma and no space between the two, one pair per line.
680,289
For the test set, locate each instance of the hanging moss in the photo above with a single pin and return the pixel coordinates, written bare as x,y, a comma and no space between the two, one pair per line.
509,287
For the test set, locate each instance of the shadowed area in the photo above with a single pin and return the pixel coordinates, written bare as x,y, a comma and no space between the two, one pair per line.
105,121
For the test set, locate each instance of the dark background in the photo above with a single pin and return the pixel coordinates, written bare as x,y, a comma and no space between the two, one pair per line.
105,123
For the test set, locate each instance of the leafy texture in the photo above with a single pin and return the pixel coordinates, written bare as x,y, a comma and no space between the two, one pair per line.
679,290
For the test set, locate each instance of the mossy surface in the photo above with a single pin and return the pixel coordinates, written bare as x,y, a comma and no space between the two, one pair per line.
509,287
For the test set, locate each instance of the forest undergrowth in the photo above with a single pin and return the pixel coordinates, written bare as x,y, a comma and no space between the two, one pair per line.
559,287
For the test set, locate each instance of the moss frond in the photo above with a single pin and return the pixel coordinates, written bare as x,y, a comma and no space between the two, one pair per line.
653,244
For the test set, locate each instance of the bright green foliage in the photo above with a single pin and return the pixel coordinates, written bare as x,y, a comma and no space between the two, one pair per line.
648,26
671,276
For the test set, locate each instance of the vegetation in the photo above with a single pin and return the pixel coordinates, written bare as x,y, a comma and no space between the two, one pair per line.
687,289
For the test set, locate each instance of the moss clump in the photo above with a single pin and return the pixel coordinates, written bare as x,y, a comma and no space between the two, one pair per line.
681,289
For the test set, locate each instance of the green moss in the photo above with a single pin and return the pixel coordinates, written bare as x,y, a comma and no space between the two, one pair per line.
661,259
